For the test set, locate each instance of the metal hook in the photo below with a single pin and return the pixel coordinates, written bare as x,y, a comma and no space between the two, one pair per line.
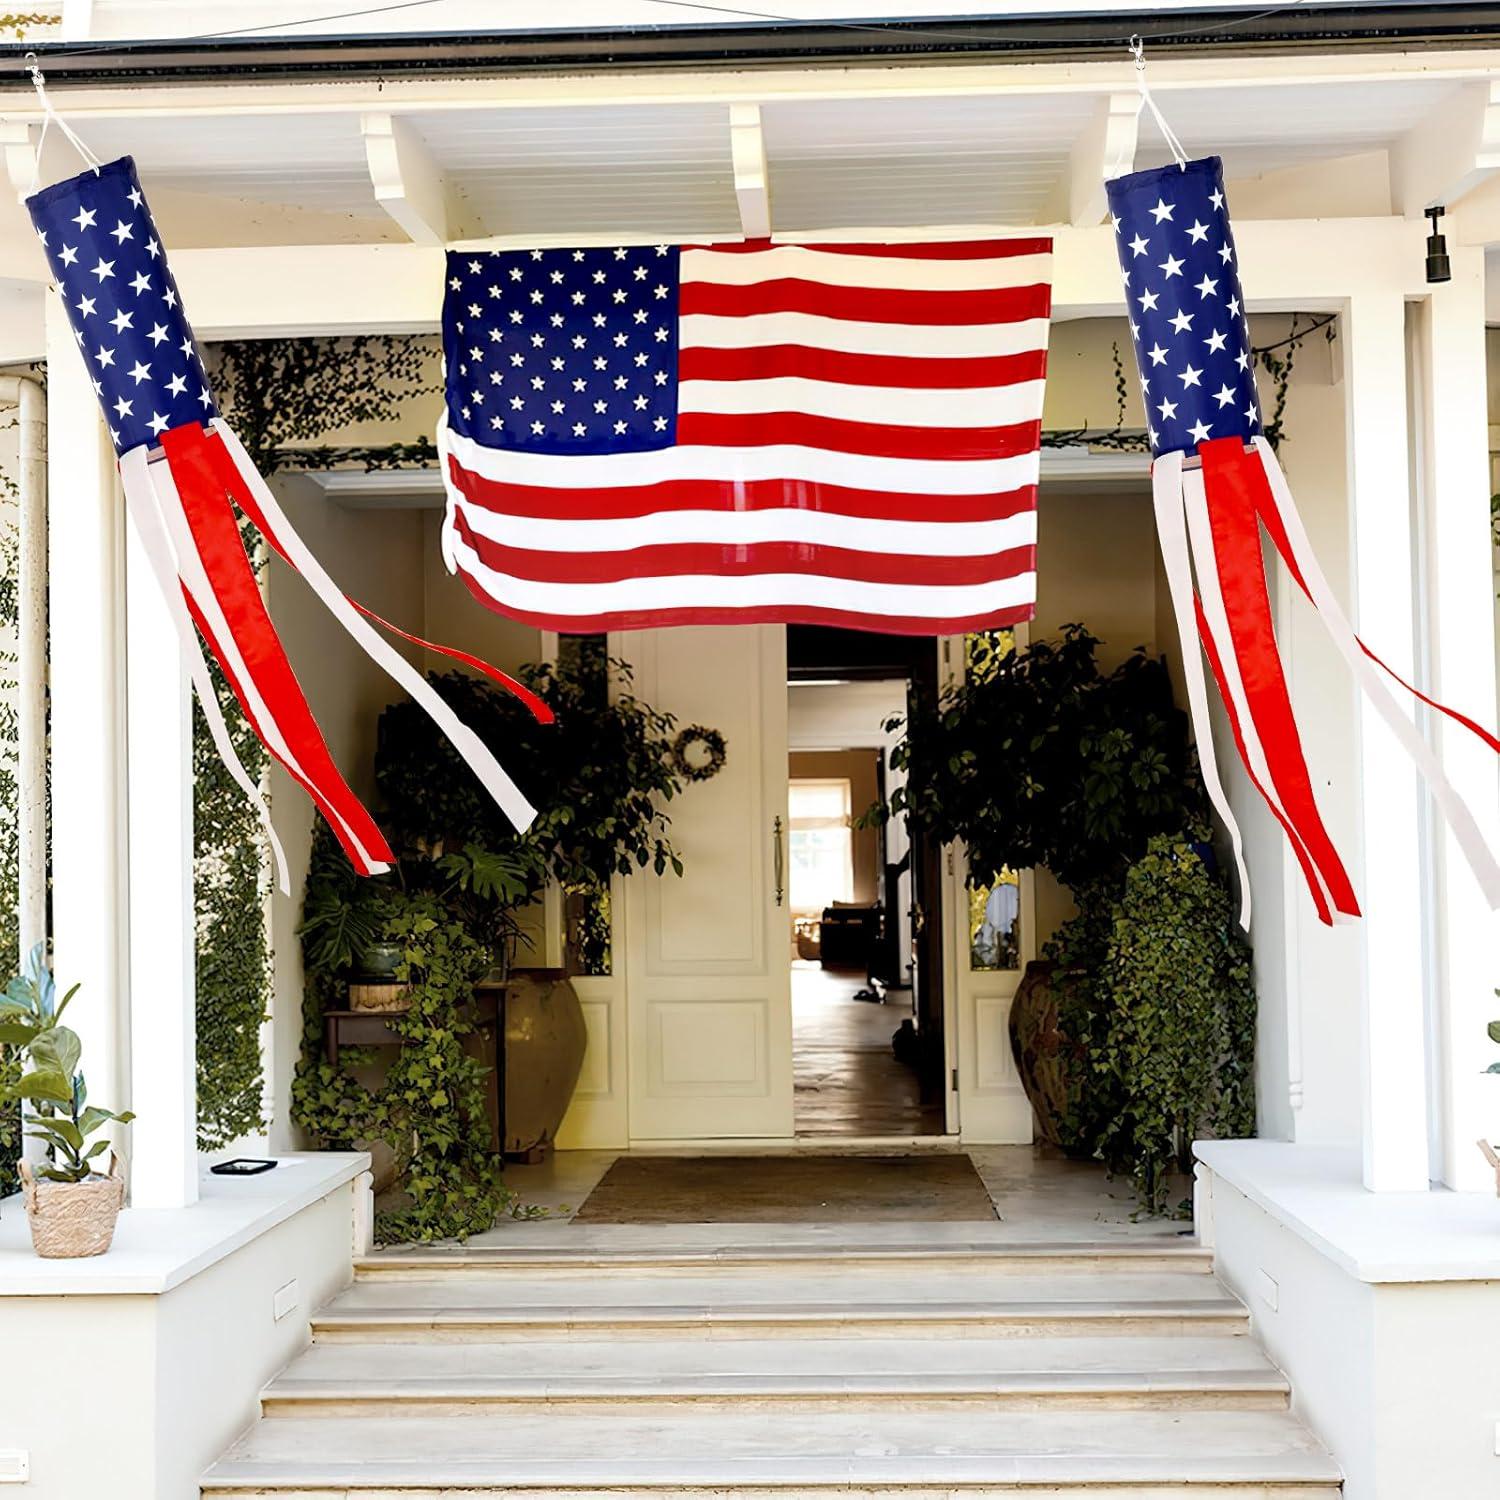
1138,52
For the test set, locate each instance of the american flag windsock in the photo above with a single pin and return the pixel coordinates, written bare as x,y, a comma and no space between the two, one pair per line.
657,435
1216,484
187,479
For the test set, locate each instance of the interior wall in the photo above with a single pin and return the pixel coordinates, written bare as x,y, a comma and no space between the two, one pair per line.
376,555
858,767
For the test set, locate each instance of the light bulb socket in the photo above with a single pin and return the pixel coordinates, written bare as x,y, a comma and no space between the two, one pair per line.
1438,267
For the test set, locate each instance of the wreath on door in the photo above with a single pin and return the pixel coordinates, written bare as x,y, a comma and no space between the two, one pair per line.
698,753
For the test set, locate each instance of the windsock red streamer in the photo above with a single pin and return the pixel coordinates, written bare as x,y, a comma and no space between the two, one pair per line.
188,481
1217,490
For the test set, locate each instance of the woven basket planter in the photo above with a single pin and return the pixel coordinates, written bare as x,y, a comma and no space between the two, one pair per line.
70,1220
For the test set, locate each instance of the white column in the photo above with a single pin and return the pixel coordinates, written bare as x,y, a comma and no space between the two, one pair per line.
1461,657
163,1052
88,761
1392,1029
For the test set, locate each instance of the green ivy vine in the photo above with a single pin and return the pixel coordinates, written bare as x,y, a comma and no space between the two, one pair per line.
10,850
430,1107
280,395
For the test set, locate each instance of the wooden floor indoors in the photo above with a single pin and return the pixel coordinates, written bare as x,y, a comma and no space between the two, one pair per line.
848,1081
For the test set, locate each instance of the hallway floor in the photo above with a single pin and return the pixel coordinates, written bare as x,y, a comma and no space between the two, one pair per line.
848,1081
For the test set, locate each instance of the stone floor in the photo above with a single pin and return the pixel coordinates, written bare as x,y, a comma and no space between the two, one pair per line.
848,1082
1040,1197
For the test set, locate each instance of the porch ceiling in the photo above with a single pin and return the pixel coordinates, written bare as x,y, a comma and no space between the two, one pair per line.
599,157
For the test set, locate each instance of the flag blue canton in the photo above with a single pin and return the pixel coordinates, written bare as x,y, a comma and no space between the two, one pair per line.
1187,315
111,273
563,351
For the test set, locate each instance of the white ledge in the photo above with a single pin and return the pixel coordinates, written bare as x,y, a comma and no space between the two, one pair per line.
1317,1193
157,1249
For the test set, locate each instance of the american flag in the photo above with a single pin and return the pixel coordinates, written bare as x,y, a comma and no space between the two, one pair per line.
657,435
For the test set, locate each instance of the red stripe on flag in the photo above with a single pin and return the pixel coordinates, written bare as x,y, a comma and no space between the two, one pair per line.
706,558
864,304
773,361
543,502
931,250
764,429
880,624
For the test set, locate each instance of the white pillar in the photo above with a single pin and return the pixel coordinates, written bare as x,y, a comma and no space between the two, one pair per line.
88,761
163,1052
1392,1026
1461,660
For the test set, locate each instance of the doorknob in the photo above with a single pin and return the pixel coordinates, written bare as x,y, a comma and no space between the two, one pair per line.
778,860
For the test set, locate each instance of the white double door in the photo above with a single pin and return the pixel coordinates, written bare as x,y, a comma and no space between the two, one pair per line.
707,960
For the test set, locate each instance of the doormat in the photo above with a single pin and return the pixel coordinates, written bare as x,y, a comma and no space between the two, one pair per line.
812,1189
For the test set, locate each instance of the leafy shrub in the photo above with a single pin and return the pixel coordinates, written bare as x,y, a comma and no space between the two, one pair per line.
1167,1012
1039,758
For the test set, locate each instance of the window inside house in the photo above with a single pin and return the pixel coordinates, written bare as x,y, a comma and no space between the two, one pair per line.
821,844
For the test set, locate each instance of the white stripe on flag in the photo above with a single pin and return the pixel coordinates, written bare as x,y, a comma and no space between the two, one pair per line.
788,462
937,341
738,268
749,528
902,406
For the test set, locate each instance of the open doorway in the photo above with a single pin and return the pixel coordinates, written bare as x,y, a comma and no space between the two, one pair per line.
866,981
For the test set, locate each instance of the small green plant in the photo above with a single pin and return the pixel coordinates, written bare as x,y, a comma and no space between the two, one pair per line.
31,1022
1493,1030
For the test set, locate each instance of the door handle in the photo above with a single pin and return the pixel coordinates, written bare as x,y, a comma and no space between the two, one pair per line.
778,860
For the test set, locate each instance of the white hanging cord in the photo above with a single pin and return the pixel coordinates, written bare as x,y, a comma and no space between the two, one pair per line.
49,116
1138,52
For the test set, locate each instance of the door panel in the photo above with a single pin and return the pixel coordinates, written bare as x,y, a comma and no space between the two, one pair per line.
986,954
708,984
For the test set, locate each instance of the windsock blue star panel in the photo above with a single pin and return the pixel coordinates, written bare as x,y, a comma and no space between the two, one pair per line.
1187,314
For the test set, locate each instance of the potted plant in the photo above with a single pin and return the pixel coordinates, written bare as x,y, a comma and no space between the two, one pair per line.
71,1208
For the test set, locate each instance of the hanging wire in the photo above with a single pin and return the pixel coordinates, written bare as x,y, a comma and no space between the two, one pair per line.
50,117
1138,52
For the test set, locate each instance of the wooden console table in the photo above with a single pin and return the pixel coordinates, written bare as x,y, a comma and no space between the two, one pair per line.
372,1028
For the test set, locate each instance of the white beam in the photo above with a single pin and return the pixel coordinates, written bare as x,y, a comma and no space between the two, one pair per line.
409,185
1105,149
747,146
85,618
1392,1025
1461,661
163,1053
1450,153
1298,265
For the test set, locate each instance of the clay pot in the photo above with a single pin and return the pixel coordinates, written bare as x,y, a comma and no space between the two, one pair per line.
1035,1044
70,1220
545,1039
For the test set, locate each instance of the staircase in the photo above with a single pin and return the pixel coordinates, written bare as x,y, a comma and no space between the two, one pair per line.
787,1370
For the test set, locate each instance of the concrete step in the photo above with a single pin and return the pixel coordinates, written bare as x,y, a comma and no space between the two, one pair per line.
666,1252
777,1376
1062,1453
948,1301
